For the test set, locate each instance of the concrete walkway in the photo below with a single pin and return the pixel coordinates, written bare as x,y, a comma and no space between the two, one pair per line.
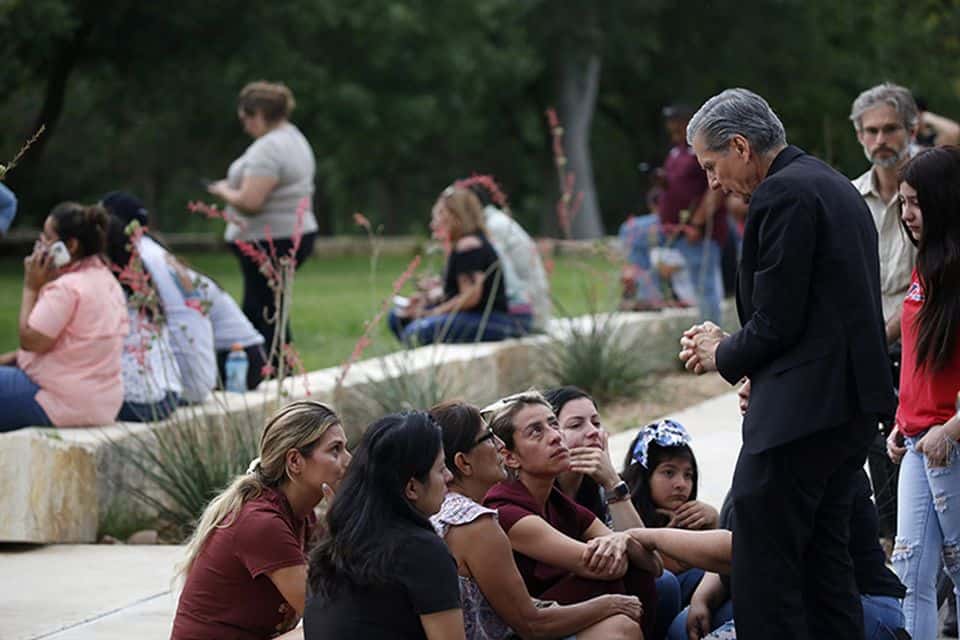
106,592
74,592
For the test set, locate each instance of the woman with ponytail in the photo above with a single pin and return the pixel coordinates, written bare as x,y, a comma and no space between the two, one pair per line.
73,319
382,572
245,565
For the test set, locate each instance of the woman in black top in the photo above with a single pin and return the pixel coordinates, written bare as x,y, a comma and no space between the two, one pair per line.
474,300
381,572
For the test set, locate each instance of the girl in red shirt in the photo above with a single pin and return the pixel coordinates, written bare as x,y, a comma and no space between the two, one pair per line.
927,425
245,566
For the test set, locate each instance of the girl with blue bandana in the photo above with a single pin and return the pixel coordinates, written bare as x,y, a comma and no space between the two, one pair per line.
661,470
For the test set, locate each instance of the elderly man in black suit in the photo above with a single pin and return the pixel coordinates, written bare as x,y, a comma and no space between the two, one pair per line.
812,356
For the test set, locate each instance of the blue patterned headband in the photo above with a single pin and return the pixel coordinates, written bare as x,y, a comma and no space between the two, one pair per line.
665,433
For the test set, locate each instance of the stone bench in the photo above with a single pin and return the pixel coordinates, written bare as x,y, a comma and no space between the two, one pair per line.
56,484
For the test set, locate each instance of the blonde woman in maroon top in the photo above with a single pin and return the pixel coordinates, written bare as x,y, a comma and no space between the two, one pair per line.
245,565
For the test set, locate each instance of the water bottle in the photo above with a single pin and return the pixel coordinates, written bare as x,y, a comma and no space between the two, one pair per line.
236,369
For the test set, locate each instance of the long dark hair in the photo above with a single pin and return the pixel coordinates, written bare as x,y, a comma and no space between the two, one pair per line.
935,174
362,542
588,495
637,477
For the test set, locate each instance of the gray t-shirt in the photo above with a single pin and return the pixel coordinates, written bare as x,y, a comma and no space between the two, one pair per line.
284,154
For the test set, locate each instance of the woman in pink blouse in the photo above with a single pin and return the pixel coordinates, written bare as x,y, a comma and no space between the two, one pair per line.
72,323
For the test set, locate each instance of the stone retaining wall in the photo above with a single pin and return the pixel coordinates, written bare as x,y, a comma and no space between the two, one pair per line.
56,484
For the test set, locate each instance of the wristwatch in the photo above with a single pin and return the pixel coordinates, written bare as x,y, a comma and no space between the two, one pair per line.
617,492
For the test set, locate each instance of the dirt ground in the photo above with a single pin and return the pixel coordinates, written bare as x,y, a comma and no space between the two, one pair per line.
670,392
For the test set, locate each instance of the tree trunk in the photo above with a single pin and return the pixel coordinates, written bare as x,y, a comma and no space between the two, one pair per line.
579,78
53,100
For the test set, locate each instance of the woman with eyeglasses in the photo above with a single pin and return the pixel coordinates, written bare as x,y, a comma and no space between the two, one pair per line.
496,604
474,303
564,552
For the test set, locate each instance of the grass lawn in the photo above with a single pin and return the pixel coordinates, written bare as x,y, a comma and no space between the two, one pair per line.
333,297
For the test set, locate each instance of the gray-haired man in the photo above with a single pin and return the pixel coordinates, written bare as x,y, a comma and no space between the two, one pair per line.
885,118
812,347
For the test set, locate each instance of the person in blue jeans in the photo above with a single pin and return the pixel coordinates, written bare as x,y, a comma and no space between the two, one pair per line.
685,236
711,610
473,304
697,278
927,421
8,208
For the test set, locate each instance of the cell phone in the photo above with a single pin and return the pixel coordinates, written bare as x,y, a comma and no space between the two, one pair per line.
205,183
59,254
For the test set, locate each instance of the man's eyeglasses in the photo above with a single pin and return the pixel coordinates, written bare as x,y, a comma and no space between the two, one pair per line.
887,130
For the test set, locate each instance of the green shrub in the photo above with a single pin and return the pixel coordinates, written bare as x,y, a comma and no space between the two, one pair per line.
406,389
124,518
186,464
599,358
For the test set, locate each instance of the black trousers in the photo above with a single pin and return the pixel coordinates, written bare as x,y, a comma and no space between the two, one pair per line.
792,572
883,473
258,298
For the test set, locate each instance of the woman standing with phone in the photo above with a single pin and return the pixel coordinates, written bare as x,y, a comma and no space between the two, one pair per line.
73,320
265,188
927,428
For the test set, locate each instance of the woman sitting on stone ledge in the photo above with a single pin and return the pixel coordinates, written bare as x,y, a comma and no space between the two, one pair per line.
473,304
151,376
245,565
72,323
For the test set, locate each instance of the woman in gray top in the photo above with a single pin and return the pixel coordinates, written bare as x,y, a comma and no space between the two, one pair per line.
269,195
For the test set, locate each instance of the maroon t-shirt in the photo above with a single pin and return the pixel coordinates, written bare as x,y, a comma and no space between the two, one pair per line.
513,502
227,593
686,185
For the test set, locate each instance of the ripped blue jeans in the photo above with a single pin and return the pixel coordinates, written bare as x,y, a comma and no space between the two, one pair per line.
928,533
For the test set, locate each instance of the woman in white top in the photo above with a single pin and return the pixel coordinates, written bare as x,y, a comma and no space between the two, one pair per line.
269,195
204,322
528,290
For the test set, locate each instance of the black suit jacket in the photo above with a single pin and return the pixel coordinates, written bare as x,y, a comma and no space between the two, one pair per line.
808,296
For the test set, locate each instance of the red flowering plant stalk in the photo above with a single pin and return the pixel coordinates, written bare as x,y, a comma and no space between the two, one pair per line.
142,299
278,269
487,182
375,238
6,168
570,200
371,325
